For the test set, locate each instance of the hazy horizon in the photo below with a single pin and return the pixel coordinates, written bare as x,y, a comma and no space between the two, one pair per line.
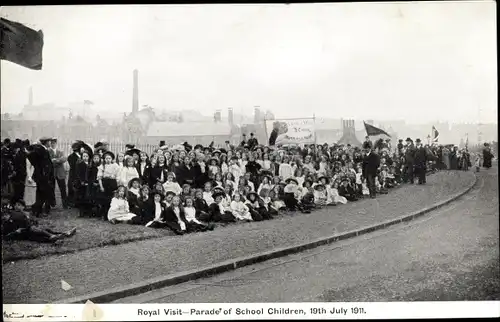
420,62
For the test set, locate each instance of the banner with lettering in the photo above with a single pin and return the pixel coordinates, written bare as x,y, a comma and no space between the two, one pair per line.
292,131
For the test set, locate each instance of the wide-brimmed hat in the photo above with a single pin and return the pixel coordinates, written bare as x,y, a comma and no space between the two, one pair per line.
129,146
324,177
409,140
133,151
217,188
418,140
218,194
98,145
76,145
291,179
318,186
252,193
265,173
198,147
131,182
108,153
45,139
216,151
169,192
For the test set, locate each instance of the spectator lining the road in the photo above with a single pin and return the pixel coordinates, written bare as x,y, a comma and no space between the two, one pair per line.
291,178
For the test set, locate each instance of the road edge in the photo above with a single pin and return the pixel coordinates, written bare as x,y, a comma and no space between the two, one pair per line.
232,264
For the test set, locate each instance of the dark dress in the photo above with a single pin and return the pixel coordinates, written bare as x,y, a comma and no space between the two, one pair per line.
258,210
81,187
73,159
487,157
146,209
171,220
215,214
202,209
156,175
144,174
133,203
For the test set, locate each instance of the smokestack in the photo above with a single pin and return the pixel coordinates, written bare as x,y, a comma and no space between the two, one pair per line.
217,116
135,97
30,97
256,118
230,116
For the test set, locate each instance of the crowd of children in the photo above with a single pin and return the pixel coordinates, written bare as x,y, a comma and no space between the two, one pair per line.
189,189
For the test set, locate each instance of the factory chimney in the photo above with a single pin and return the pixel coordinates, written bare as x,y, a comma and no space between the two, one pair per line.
230,116
135,95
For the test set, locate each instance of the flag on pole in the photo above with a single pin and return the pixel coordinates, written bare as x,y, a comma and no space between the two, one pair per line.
87,102
372,130
435,134
21,45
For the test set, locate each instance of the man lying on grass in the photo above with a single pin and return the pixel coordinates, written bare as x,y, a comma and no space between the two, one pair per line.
18,224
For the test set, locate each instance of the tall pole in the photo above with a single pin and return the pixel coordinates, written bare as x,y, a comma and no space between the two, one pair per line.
135,94
314,124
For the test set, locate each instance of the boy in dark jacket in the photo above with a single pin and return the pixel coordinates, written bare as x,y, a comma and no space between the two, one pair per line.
18,224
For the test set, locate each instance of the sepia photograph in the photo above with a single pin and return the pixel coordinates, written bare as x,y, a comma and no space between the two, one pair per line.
271,155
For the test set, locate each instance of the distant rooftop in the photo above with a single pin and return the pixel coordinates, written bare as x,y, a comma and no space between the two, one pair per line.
173,129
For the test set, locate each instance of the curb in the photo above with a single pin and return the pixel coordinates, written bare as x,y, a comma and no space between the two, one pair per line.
232,264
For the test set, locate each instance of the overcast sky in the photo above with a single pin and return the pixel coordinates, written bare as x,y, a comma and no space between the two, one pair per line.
415,61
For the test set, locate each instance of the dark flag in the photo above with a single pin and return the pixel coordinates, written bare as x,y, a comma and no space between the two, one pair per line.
435,134
273,137
372,130
21,45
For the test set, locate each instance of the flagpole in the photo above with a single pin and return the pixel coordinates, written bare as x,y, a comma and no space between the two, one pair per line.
265,129
314,122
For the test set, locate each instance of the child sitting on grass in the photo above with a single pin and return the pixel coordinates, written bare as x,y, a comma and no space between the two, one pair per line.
240,210
157,209
19,225
320,197
190,214
207,193
119,208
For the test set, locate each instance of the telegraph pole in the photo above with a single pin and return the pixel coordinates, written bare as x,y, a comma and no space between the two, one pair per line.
479,125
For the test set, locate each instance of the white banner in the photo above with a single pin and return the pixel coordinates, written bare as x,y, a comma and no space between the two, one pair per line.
256,311
293,131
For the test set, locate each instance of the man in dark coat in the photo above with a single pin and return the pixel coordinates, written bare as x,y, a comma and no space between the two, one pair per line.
400,146
409,161
371,162
368,143
252,142
73,159
487,156
20,172
420,161
43,175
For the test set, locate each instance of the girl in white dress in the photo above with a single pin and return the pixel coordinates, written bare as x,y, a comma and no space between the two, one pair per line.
240,210
335,194
127,172
171,185
235,169
119,210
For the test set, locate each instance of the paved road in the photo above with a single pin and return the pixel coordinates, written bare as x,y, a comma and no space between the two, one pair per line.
450,254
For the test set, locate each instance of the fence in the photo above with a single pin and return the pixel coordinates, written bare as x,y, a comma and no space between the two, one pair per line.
65,146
